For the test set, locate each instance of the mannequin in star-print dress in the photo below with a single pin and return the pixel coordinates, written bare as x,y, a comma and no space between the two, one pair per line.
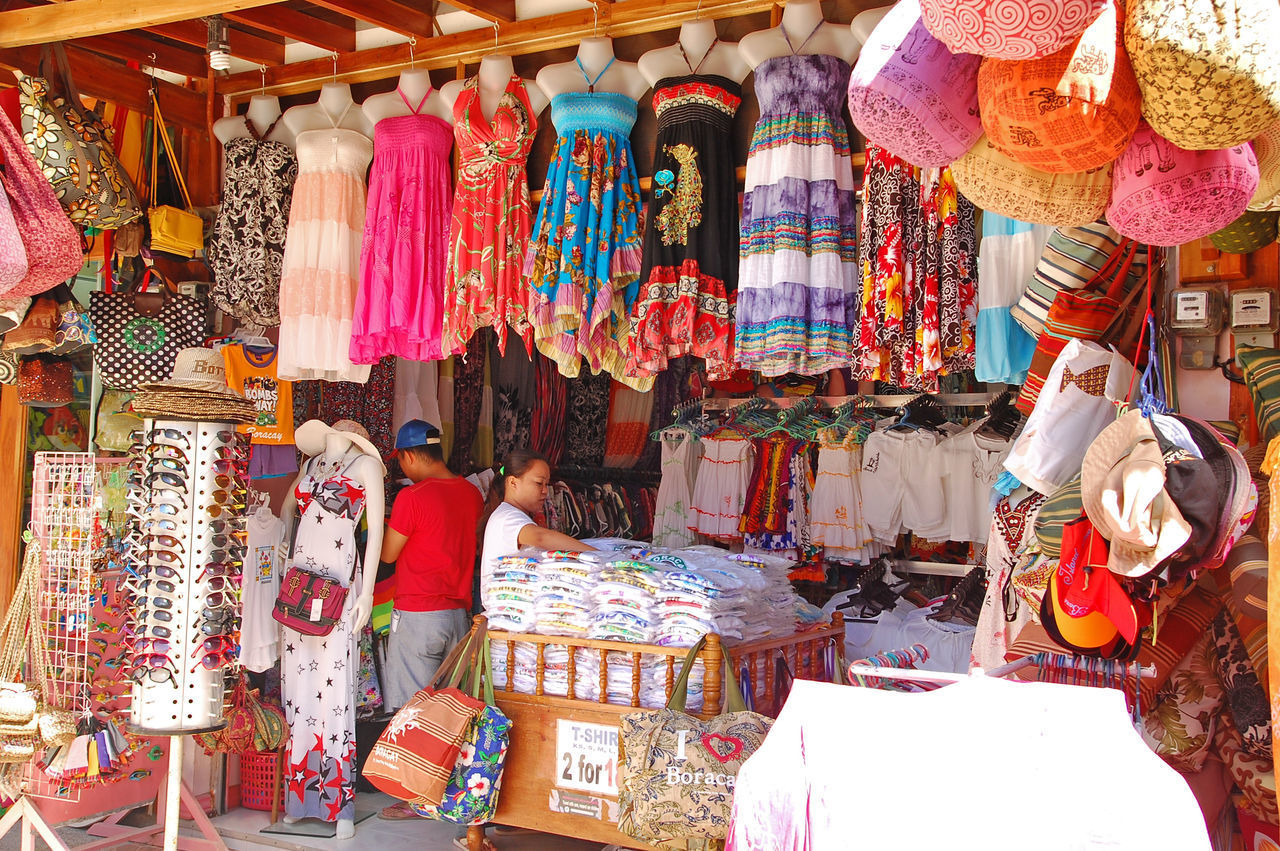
341,480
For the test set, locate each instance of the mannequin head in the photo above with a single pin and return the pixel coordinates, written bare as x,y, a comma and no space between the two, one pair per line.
522,480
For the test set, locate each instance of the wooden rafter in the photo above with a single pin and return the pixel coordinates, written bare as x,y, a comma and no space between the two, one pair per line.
243,45
80,18
398,17
300,26
97,77
128,46
528,36
498,11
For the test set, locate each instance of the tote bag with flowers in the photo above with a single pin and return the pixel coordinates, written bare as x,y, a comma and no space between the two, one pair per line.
471,797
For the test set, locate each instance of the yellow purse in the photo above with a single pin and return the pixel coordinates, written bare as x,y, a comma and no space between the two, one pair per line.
173,231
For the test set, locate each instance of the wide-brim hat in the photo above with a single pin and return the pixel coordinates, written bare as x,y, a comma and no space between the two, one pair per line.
197,368
193,405
311,436
1122,488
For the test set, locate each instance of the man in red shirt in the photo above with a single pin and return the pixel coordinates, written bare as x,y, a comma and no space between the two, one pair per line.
431,537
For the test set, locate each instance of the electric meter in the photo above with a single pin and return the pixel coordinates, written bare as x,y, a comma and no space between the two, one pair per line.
1196,314
1253,317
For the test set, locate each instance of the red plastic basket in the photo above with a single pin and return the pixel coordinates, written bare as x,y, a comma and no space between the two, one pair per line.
256,774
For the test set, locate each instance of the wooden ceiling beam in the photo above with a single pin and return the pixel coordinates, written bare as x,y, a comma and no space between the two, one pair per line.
81,18
127,46
244,45
97,77
496,11
533,35
300,26
390,14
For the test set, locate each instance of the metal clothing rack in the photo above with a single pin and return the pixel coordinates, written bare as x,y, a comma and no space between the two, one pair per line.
896,400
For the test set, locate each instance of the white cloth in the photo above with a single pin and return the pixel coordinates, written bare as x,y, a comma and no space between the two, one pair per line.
501,538
672,516
259,632
417,394
797,791
1051,448
721,487
884,486
968,466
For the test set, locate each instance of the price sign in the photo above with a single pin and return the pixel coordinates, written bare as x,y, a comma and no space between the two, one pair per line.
586,757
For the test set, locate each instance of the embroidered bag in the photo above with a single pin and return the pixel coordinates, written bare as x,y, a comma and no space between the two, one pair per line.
471,796
45,381
52,243
1083,314
415,756
140,333
678,772
74,148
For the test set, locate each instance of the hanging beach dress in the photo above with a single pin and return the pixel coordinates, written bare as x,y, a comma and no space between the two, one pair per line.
583,264
246,250
690,271
489,235
798,281
322,255
399,310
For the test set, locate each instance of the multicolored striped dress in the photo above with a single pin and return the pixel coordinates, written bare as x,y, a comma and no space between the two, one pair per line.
798,281
583,264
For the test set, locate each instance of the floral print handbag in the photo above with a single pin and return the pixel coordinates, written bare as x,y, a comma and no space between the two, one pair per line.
471,797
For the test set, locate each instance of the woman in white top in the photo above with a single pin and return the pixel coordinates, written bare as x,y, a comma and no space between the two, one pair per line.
516,493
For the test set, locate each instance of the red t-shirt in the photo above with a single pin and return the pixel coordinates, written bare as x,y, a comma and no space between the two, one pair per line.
435,568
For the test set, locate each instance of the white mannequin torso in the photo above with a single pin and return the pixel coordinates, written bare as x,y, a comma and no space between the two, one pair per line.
496,71
413,85
262,112
595,54
334,108
866,21
698,50
803,29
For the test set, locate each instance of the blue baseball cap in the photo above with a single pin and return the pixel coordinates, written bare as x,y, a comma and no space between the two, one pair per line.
417,433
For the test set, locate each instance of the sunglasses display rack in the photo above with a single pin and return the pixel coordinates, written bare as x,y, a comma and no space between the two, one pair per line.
186,496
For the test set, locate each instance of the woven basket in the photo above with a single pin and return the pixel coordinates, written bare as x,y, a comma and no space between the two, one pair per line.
995,182
1070,111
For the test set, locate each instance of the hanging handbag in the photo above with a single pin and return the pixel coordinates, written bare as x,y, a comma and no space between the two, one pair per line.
415,756
173,231
309,603
471,795
52,243
38,331
678,772
13,256
74,331
140,333
74,149
46,381
1087,314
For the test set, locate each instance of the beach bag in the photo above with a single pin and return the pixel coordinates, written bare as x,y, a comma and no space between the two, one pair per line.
140,333
910,95
13,256
1162,194
74,149
1070,260
1070,111
678,772
1088,314
1000,184
51,242
415,756
38,331
1009,29
179,232
471,796
1206,68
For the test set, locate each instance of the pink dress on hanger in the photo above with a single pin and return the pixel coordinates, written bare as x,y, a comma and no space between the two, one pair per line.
399,306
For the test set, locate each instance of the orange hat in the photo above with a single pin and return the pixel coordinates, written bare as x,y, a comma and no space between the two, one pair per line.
1086,602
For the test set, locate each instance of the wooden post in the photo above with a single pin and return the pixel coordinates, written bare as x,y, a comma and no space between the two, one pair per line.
635,679
13,462
572,671
604,677
711,675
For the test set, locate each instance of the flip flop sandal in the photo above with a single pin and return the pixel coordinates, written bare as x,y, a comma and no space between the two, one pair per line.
397,812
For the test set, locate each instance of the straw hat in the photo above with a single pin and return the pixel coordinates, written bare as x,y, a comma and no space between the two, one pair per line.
311,436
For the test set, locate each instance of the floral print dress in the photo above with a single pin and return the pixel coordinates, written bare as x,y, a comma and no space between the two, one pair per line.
584,262
489,234
246,251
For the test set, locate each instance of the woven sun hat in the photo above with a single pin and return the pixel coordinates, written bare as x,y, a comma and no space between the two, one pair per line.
197,368
1122,487
311,437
